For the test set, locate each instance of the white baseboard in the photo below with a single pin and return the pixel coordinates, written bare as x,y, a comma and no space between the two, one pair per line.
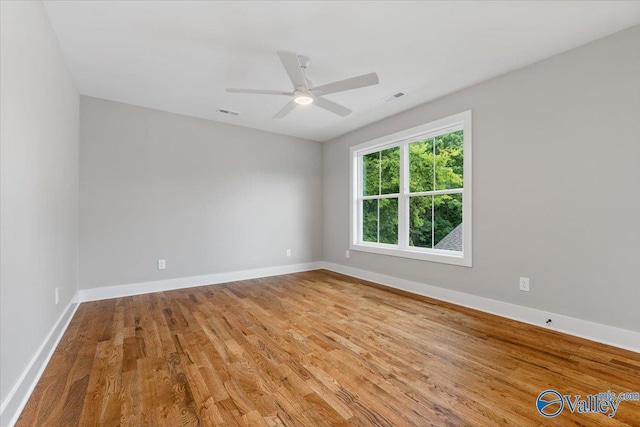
617,337
108,292
17,398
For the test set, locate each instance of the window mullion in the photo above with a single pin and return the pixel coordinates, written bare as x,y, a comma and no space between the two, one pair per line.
379,189
403,200
433,225
360,202
382,196
437,192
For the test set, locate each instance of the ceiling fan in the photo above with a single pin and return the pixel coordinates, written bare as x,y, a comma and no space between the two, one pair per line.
304,93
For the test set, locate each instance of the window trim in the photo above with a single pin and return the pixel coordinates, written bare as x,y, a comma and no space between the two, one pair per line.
402,139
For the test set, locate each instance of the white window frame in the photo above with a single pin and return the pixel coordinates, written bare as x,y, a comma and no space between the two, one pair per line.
402,139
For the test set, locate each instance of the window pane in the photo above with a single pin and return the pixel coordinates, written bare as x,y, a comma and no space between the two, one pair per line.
390,171
370,220
449,157
389,221
371,174
421,166
386,229
447,215
420,216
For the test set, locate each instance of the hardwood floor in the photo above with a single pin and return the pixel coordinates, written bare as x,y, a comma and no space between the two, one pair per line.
315,348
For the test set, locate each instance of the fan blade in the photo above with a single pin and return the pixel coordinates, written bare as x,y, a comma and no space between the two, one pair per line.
332,106
258,91
285,110
291,64
348,84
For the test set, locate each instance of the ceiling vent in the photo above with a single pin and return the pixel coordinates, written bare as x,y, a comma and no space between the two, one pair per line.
229,112
393,96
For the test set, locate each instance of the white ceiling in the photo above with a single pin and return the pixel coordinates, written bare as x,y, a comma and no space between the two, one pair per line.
179,56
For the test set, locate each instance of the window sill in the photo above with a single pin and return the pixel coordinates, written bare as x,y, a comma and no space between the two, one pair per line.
443,257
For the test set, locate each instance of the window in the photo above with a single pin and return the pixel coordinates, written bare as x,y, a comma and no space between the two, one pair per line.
411,193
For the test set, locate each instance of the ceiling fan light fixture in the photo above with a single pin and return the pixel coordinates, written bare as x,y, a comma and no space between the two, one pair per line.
303,99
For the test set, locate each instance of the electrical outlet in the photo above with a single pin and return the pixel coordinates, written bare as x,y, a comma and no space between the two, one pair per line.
346,253
57,295
162,264
524,284
288,252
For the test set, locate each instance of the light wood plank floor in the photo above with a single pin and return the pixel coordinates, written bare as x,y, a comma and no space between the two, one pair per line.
315,348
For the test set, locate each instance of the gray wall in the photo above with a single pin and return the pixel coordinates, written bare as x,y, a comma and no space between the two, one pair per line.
39,185
556,183
207,197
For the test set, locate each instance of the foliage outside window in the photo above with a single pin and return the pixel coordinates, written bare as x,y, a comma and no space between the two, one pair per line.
411,193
